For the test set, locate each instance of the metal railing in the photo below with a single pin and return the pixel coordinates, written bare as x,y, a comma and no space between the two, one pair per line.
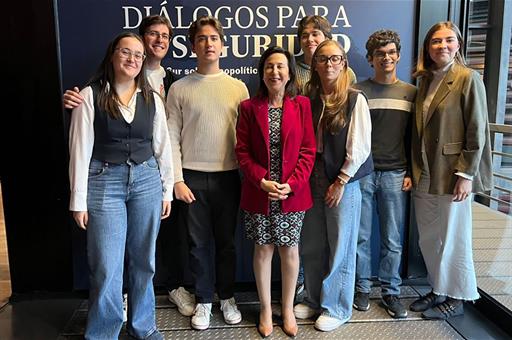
504,129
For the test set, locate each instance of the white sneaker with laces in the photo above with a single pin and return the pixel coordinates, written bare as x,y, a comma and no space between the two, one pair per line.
201,318
183,300
230,311
125,307
327,323
303,311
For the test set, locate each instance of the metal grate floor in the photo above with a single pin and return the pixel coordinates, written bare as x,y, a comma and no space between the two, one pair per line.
492,252
375,323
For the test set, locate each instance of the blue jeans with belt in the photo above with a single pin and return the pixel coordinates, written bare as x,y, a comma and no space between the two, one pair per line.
124,204
383,188
329,241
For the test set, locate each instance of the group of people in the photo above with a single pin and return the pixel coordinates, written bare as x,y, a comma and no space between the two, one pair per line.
316,152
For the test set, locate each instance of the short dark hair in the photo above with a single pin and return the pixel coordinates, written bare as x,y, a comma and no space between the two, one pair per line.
291,86
318,22
154,20
205,20
382,38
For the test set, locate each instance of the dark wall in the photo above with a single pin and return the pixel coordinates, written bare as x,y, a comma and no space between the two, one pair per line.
33,153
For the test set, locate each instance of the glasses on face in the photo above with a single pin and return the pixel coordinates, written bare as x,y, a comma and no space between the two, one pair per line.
383,54
155,35
335,59
127,53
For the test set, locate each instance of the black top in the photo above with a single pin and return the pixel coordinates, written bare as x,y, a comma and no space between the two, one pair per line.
391,108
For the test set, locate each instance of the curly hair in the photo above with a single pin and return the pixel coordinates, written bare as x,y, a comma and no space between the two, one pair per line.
381,38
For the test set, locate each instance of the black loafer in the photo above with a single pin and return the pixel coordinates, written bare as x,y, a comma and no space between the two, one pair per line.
426,302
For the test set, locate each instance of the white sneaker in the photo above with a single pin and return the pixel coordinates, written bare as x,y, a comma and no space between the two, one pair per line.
327,323
230,311
183,300
125,307
201,318
303,311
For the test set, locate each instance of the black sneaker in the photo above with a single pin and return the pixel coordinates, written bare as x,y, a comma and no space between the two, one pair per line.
445,310
425,302
394,307
362,301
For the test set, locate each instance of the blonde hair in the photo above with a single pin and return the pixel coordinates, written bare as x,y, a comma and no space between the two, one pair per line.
425,62
335,115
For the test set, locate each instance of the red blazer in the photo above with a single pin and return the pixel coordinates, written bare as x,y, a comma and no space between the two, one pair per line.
298,153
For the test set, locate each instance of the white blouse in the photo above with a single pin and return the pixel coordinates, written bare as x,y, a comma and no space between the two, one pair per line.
81,143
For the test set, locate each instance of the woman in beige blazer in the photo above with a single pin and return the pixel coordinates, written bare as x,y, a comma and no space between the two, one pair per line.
451,158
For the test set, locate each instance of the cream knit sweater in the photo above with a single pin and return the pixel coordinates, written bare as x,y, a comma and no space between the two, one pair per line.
203,111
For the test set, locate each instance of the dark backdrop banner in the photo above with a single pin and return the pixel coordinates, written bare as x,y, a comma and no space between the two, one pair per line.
86,27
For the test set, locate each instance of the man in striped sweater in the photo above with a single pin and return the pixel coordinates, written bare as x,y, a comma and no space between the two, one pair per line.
391,108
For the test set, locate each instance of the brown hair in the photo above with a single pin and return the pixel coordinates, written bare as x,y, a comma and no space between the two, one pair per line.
381,38
205,21
335,116
154,20
318,22
424,61
108,98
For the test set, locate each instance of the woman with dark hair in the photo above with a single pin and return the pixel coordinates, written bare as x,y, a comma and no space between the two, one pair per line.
276,151
121,186
451,158
341,118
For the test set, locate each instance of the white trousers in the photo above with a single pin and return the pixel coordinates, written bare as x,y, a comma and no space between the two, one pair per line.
445,239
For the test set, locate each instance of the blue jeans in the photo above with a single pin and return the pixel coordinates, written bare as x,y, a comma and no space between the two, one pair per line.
383,188
329,241
124,204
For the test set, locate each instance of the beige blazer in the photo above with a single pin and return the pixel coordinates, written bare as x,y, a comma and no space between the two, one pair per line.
456,132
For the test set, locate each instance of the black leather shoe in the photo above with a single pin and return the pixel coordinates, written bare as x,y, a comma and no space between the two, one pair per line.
426,302
445,310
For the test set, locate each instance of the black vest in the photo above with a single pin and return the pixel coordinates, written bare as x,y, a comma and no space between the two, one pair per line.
116,141
335,144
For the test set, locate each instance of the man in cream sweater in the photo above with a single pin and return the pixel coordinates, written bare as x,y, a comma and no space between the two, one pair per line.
203,110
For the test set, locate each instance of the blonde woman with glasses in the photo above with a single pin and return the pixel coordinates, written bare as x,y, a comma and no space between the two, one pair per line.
341,119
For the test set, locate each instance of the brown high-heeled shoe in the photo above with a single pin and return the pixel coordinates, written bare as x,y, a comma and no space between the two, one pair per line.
291,331
265,332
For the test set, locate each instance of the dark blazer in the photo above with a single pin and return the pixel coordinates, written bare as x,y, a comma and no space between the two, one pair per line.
456,132
297,147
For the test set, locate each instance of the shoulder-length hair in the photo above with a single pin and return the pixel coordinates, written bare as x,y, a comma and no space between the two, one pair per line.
108,99
424,64
335,115
291,86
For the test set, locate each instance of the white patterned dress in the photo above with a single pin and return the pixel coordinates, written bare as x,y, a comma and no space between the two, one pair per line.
280,229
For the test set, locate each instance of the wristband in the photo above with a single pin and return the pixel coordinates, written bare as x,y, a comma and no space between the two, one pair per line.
342,180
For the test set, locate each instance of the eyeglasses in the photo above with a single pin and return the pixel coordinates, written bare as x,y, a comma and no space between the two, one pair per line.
155,34
335,59
383,54
127,53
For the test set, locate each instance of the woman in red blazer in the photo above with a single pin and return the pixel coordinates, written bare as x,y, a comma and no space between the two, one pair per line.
276,152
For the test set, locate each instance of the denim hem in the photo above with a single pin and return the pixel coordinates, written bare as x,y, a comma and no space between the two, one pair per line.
457,297
342,318
146,336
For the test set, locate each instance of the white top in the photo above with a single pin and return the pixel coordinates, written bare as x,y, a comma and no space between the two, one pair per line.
81,143
359,137
156,80
203,112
